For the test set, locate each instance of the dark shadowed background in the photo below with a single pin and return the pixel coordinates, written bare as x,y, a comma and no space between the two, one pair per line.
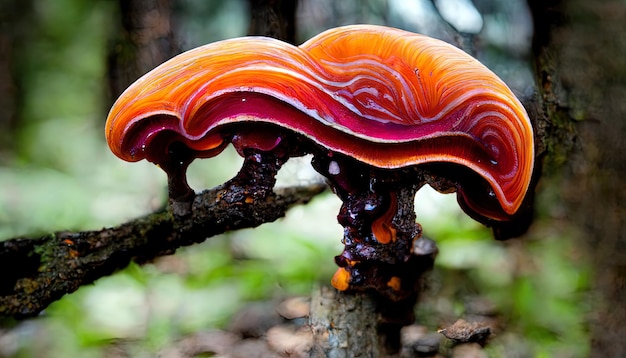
555,292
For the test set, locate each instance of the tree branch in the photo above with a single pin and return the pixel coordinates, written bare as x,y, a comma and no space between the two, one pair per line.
36,272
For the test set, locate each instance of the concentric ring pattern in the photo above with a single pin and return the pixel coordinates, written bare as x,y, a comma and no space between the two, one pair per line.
386,97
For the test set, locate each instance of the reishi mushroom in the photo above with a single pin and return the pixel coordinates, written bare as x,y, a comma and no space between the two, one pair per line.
383,111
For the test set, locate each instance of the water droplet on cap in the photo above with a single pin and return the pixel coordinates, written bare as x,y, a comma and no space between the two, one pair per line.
333,168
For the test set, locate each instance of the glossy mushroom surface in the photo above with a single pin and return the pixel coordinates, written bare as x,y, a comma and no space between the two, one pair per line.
386,97
382,110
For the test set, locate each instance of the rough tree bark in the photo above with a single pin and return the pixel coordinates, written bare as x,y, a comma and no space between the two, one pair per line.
39,271
581,119
144,40
8,87
273,18
581,72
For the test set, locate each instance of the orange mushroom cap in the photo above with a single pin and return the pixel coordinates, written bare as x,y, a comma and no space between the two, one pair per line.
385,97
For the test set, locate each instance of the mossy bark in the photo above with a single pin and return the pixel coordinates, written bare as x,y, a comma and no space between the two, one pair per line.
39,271
581,71
580,119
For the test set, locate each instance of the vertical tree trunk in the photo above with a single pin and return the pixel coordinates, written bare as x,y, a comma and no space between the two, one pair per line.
581,72
144,40
15,16
273,18
339,320
581,68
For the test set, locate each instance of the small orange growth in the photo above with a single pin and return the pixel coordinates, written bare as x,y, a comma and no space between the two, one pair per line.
68,242
382,228
341,279
394,283
249,200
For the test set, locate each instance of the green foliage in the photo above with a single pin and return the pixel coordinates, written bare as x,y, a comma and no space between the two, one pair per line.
539,285
227,19
62,69
198,288
62,176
